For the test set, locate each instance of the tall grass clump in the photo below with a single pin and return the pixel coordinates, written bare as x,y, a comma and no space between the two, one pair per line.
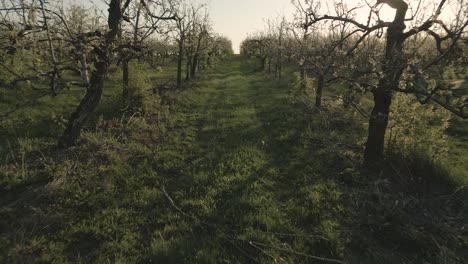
417,139
139,88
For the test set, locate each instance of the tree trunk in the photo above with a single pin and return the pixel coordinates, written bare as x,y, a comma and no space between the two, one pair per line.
280,69
180,59
303,70
279,61
319,92
196,56
194,67
269,65
87,106
187,69
276,69
393,67
378,125
94,92
125,80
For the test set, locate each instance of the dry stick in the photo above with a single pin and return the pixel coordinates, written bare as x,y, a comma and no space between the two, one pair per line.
49,37
242,251
252,243
262,250
177,208
293,235
214,225
298,253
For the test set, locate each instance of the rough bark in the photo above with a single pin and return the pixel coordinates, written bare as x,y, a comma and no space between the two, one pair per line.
193,73
87,106
393,67
126,60
188,68
195,62
93,94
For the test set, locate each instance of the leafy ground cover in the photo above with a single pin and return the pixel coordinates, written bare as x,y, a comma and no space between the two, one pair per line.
232,170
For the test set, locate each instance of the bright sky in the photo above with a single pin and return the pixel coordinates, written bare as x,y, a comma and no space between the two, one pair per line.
237,18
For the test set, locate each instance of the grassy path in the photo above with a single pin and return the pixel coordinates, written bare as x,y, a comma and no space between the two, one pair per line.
233,173
247,173
224,177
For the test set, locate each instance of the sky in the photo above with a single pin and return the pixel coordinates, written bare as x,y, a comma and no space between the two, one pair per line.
234,19
238,18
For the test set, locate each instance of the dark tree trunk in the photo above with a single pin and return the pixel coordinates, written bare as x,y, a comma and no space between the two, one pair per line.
280,69
180,59
264,62
393,67
193,73
378,125
278,66
276,69
195,60
269,65
125,80
94,92
188,68
319,91
87,106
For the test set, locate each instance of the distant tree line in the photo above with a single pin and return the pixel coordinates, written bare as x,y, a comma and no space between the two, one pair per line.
51,46
414,53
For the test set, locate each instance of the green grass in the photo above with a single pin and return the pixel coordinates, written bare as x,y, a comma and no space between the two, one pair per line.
233,172
458,149
45,118
457,159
